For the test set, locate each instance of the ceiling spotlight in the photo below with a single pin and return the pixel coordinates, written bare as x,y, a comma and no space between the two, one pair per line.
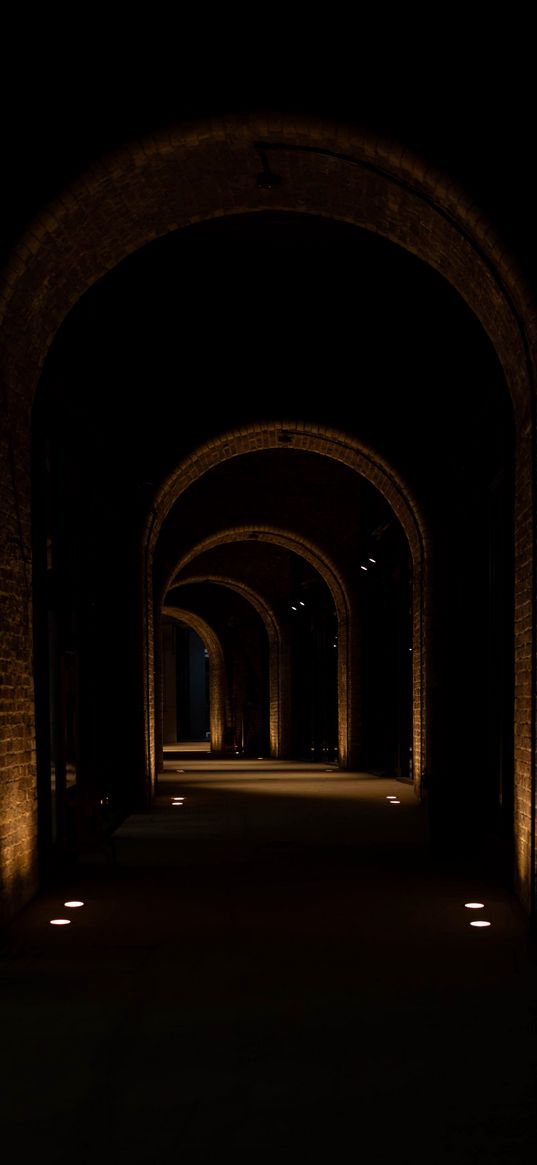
363,568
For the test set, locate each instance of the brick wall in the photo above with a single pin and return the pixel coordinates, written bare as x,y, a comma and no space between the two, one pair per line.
186,175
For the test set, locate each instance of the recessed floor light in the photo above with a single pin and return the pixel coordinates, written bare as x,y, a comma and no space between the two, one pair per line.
73,903
60,921
392,797
474,905
395,802
480,922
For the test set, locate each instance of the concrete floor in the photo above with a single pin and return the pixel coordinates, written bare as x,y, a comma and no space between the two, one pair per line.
277,967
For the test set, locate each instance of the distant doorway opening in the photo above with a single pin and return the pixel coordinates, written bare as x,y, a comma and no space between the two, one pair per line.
185,673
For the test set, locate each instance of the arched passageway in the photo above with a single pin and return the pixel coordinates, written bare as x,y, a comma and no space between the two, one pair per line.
260,451
216,686
279,727
331,173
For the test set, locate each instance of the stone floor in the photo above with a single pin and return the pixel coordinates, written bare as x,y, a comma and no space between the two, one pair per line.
277,966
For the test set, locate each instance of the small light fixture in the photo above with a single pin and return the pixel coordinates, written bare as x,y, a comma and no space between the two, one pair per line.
394,801
73,904
391,797
363,568
474,905
300,603
60,921
480,922
373,560
293,608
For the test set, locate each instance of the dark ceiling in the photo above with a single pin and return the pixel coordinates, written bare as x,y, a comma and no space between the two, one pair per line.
459,91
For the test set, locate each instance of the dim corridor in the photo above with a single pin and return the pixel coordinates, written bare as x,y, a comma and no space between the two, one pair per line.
274,963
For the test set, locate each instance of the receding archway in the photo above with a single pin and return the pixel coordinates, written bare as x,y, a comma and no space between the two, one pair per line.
325,169
327,443
278,656
217,681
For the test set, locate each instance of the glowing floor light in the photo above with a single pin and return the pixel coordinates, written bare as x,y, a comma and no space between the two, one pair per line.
60,921
73,903
474,905
394,801
480,922
391,797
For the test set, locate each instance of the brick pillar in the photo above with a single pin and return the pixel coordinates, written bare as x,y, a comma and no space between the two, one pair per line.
18,794
159,701
284,695
525,695
350,688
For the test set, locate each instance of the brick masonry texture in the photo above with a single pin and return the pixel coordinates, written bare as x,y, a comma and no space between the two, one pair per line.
184,176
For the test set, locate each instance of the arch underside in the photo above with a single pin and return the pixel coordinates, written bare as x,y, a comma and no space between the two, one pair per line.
191,174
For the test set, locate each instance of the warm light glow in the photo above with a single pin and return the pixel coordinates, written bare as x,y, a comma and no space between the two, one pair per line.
60,921
474,905
391,797
394,801
73,904
480,922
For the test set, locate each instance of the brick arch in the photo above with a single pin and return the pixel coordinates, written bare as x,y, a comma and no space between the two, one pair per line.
326,442
189,174
217,675
338,588
278,655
